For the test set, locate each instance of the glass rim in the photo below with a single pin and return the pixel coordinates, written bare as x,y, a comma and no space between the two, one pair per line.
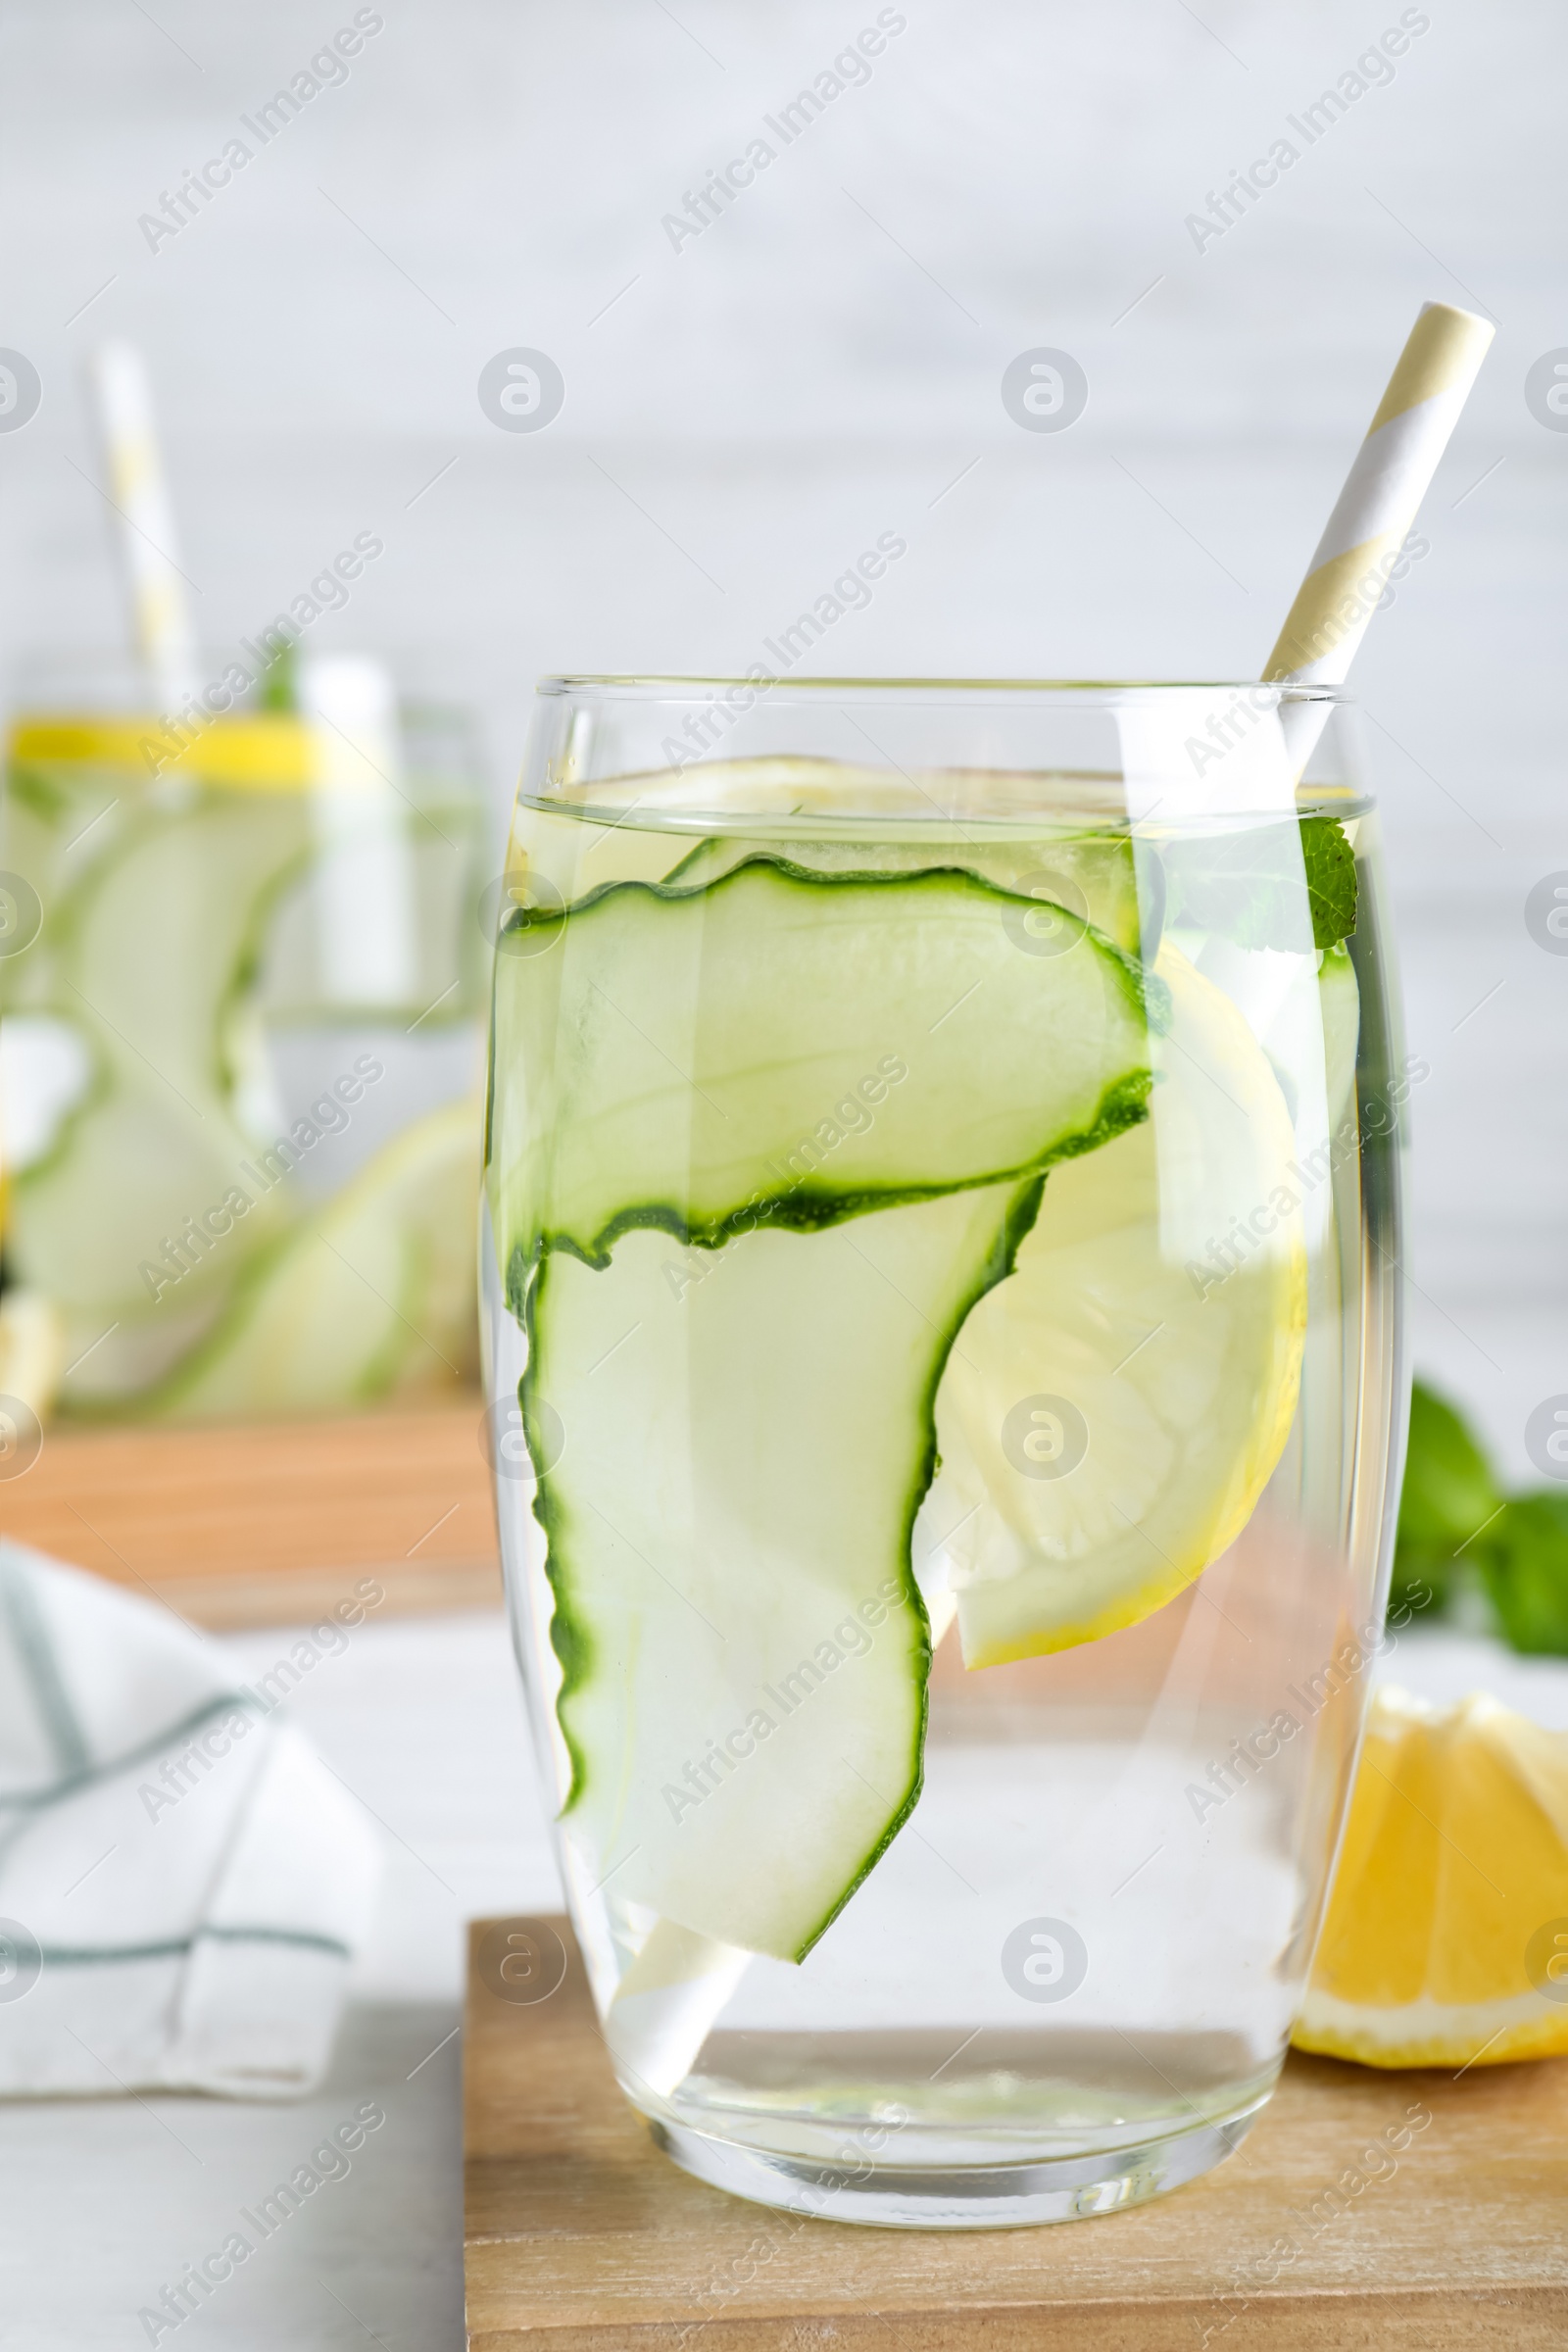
653,685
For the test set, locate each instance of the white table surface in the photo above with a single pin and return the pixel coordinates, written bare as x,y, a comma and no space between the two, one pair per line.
106,2200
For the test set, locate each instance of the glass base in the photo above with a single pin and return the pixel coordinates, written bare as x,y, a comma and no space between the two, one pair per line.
1000,2196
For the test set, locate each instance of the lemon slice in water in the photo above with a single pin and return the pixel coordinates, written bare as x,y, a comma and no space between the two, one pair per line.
1111,1412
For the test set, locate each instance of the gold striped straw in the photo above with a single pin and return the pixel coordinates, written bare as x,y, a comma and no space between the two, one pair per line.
1372,519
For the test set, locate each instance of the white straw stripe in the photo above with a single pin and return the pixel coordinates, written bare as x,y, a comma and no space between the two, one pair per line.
1389,479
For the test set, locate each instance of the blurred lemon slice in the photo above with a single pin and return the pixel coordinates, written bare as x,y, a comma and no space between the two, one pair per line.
1446,1938
1111,1412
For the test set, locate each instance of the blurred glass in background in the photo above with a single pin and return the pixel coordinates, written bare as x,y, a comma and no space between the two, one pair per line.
240,983
240,1045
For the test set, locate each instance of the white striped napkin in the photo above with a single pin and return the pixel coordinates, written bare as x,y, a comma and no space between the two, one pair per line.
183,1885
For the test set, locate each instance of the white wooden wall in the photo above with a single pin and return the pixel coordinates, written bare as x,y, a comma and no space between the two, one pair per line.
743,414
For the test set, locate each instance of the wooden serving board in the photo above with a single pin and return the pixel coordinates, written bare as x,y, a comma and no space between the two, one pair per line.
270,1523
580,2236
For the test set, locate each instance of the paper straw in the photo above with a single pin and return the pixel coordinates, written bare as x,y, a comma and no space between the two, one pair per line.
667,2001
160,616
1372,519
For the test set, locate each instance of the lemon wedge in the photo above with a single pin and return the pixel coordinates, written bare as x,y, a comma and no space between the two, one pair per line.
1446,1936
1111,1411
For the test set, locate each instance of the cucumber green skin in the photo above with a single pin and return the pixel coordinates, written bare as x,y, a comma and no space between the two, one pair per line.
806,1206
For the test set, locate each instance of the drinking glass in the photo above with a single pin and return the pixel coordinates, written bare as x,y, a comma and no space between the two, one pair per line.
943,1343
243,994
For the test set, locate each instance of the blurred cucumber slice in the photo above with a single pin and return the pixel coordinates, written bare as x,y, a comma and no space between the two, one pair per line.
372,1296
149,957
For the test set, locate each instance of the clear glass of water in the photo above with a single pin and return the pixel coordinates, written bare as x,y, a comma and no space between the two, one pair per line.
942,1179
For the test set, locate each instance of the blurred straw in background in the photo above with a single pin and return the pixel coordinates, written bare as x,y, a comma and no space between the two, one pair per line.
139,495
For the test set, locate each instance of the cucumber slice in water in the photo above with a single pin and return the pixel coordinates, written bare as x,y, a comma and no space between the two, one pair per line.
741,1457
787,1046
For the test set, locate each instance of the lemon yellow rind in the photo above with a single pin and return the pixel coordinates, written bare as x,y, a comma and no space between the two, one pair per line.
1487,2034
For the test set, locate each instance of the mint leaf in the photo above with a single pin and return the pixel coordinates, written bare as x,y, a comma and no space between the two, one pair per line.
280,685
1455,1525
1449,1496
1331,880
1523,1559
